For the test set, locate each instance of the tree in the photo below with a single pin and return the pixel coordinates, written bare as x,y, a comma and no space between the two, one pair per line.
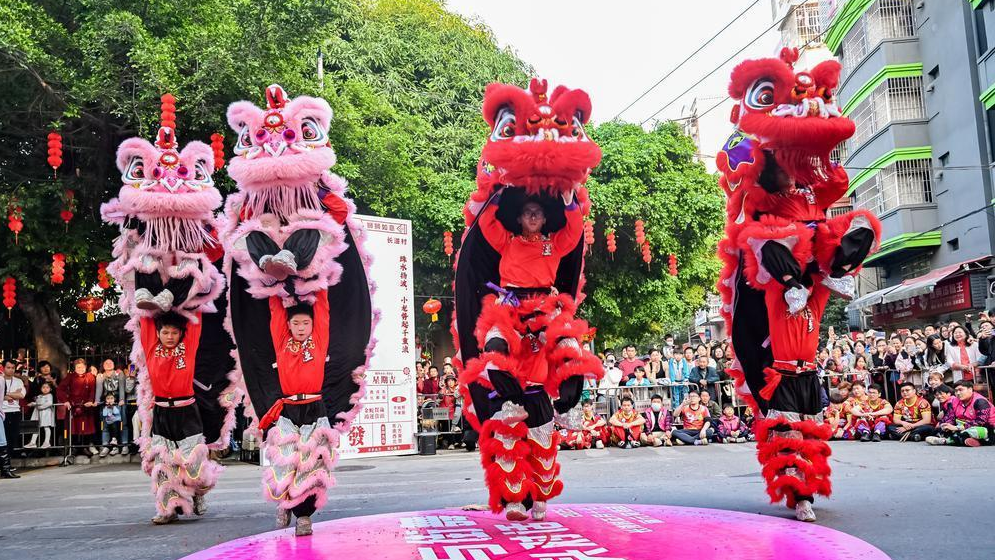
652,176
405,79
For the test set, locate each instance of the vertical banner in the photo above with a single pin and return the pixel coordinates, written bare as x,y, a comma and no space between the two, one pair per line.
387,423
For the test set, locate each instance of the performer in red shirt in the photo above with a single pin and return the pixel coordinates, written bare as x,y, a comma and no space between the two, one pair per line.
177,457
300,442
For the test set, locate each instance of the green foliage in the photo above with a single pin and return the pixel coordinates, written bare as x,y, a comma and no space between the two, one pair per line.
652,176
404,77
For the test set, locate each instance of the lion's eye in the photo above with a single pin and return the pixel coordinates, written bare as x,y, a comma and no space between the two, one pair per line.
761,95
311,132
505,126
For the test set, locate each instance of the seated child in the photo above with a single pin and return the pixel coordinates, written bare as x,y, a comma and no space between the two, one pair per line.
731,428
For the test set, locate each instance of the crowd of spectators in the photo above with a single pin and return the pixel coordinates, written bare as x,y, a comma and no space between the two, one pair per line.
928,384
94,406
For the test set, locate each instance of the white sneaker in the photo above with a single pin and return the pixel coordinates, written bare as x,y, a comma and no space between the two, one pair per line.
114,451
515,511
539,510
804,511
164,519
104,451
93,450
936,440
164,300
199,504
31,444
144,300
303,527
599,444
704,441
280,265
282,518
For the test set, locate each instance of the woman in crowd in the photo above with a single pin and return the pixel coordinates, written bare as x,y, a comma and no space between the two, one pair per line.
962,355
936,355
859,373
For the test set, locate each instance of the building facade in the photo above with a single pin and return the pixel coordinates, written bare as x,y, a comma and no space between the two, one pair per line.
919,82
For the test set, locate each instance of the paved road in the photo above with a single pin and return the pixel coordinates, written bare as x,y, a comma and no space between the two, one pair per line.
913,501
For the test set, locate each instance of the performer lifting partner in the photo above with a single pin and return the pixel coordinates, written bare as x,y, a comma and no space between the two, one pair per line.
523,360
300,442
177,457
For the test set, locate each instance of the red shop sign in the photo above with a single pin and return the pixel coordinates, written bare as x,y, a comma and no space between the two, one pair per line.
950,295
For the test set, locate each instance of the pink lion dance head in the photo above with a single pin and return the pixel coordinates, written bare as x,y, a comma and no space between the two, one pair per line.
168,189
281,150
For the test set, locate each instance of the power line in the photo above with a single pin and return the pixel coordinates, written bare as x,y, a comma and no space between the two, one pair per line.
689,57
719,67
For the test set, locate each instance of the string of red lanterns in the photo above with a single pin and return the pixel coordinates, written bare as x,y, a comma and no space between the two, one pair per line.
168,111
447,243
68,207
647,256
612,247
58,268
672,262
218,147
589,232
54,152
640,233
103,280
15,218
9,294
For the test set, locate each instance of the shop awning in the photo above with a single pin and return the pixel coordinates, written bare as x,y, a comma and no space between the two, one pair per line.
904,245
924,284
870,299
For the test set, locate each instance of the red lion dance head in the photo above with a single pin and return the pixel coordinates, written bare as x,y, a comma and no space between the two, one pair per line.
784,118
537,142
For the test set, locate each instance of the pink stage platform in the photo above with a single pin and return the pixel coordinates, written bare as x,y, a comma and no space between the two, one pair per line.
570,532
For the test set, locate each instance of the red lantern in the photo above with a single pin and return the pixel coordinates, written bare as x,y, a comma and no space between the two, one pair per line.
588,232
612,247
218,147
89,304
102,279
640,233
432,307
58,268
54,151
672,262
168,111
647,256
69,207
9,294
447,243
15,219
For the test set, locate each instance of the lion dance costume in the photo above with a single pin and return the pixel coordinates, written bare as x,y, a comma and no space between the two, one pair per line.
167,262
293,245
782,258
517,339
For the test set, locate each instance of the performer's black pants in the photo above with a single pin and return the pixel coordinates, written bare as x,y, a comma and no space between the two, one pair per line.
179,287
176,423
302,415
303,243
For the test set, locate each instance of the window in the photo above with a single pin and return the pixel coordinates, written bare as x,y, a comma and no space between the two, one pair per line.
885,19
914,267
896,99
901,183
980,31
990,113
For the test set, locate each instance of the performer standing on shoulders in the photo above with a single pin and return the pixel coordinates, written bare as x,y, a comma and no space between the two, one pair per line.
518,277
783,256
